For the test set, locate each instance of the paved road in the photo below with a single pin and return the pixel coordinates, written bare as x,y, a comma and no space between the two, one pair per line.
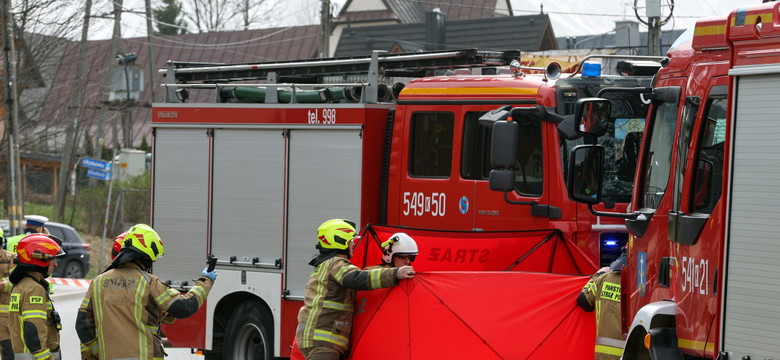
66,300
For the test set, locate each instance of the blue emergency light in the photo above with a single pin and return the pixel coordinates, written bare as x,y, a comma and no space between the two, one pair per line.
591,68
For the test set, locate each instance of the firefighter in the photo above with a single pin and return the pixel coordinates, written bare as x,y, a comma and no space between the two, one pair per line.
33,322
120,315
33,224
325,320
117,247
6,264
602,293
399,250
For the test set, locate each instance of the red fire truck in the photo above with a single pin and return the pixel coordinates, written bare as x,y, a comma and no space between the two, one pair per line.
246,171
702,275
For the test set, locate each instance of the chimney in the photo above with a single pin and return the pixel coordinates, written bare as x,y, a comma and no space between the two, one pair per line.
626,34
434,30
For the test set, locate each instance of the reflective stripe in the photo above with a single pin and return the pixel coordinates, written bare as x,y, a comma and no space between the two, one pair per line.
376,278
23,356
336,305
42,355
3,308
138,313
85,302
609,350
610,342
34,314
343,270
330,337
167,295
199,293
321,274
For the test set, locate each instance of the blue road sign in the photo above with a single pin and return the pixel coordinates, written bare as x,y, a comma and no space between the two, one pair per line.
97,174
96,164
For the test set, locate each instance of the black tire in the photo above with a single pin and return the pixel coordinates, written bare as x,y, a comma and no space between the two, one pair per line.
246,337
73,270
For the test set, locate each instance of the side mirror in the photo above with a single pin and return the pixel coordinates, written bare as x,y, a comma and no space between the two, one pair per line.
586,173
592,116
506,136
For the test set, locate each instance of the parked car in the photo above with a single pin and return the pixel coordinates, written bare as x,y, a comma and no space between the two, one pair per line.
75,262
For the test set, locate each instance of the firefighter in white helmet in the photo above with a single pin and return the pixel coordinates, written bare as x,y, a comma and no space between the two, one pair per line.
399,250
325,320
120,315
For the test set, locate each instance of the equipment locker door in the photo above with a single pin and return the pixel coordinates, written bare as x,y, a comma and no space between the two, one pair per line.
179,208
248,196
751,312
323,183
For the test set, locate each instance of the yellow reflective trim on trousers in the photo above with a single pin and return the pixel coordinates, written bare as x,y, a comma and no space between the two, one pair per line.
336,305
610,291
138,313
320,272
330,337
609,350
695,345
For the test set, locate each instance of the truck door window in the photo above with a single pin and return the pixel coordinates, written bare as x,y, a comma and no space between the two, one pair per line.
529,170
621,144
707,183
431,144
690,110
475,151
658,160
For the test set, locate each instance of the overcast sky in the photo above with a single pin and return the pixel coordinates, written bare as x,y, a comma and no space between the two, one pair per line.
569,17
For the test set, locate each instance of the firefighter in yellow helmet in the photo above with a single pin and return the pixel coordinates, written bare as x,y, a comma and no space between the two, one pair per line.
325,320
6,264
120,315
33,322
602,293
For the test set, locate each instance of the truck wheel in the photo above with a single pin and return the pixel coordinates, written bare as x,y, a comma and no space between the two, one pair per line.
246,337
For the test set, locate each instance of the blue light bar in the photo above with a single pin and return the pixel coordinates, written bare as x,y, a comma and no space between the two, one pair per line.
591,68
610,243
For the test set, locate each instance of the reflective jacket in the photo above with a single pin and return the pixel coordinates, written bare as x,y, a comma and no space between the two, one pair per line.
602,292
120,315
6,263
33,324
325,320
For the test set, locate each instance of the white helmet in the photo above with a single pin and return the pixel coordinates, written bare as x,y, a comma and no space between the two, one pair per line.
398,244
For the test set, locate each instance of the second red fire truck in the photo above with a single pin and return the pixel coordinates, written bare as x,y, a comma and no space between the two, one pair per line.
246,170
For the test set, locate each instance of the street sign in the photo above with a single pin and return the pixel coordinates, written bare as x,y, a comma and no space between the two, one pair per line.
97,174
96,164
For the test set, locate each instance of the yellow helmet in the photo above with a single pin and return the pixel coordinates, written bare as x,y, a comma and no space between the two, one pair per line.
144,239
335,234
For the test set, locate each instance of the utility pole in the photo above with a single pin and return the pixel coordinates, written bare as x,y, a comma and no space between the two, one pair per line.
15,213
325,29
149,32
76,106
653,12
113,50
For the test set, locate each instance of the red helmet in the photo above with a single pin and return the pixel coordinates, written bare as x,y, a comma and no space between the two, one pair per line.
118,243
38,249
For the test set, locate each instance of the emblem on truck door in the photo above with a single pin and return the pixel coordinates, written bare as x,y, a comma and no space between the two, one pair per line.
463,205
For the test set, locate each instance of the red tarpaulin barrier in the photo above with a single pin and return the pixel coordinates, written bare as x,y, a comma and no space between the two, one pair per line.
477,295
547,251
474,315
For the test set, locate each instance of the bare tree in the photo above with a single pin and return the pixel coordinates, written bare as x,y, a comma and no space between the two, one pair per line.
255,12
211,15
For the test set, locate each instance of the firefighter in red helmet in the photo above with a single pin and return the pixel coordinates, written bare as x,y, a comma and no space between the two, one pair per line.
325,320
34,324
120,315
117,247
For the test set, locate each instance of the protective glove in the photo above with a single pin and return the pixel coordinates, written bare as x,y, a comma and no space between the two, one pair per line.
209,274
404,272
